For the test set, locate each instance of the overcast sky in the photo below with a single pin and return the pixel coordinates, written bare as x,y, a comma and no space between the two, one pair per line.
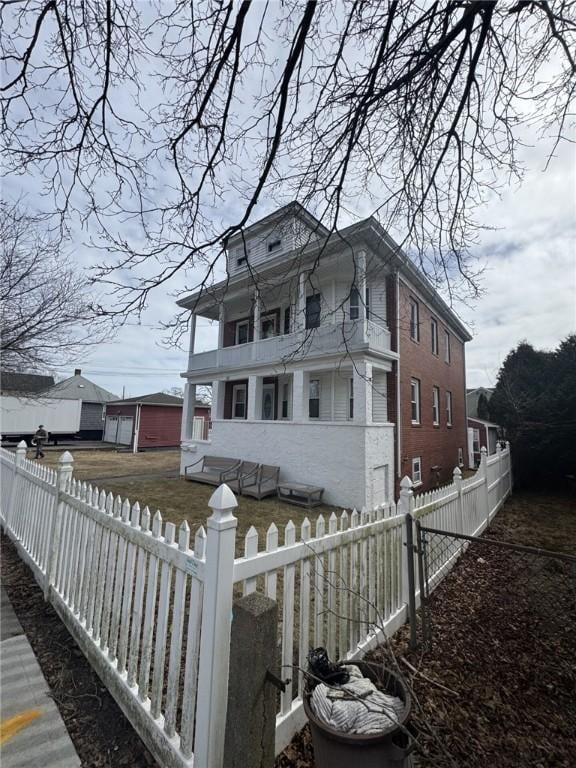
529,289
529,286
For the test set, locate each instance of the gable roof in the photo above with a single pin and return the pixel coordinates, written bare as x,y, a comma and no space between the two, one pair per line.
158,398
25,383
77,387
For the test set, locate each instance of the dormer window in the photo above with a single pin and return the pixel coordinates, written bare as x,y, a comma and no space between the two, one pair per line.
242,256
274,245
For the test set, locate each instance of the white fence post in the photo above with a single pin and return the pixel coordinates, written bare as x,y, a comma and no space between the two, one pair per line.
500,485
483,469
20,456
405,507
215,632
64,476
457,478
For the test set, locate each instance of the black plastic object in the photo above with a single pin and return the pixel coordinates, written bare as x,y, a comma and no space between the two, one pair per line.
325,671
389,749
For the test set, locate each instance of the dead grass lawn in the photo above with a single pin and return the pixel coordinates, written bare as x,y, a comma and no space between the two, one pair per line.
89,465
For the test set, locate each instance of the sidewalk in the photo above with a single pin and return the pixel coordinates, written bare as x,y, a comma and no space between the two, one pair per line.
33,734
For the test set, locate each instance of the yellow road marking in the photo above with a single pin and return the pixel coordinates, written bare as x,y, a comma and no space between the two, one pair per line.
11,726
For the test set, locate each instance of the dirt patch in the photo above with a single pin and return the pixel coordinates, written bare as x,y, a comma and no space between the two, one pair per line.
101,734
509,667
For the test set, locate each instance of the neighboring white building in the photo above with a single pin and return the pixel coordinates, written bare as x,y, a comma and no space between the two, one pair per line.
303,376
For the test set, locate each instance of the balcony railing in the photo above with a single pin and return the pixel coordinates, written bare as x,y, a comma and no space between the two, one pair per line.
349,336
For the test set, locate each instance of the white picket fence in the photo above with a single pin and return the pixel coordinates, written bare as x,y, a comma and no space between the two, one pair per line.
153,616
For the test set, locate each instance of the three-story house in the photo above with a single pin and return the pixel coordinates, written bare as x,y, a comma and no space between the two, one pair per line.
336,360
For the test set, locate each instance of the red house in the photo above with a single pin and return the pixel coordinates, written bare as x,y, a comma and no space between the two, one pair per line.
149,421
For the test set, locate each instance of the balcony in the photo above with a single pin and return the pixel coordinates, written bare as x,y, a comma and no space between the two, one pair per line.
329,339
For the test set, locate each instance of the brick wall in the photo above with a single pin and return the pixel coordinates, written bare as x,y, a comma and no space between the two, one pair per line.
435,445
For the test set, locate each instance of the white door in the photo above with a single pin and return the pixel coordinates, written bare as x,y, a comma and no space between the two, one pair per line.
111,429
380,485
268,401
125,430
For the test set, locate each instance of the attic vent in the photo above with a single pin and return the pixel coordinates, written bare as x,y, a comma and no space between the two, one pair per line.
274,245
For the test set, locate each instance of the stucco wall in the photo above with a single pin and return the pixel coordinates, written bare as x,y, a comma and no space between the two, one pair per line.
338,457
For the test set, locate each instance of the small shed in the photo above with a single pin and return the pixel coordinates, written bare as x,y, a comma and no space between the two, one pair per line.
149,421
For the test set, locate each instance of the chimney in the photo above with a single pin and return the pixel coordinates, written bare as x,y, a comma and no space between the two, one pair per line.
77,371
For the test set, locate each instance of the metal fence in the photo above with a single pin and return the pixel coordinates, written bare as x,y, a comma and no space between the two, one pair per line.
538,583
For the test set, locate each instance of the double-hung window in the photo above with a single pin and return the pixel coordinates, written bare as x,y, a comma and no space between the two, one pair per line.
414,320
434,335
285,403
351,399
313,311
446,347
460,457
314,399
268,325
449,408
435,406
239,401
415,400
274,245
242,331
417,471
354,303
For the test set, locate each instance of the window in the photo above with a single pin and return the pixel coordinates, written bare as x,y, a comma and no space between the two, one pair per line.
476,440
449,408
415,400
242,331
414,320
242,256
354,304
239,401
268,326
446,346
417,471
274,245
351,399
285,395
435,405
287,320
314,399
460,457
434,335
313,311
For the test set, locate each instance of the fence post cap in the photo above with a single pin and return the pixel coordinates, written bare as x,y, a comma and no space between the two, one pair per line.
66,458
483,450
222,498
498,448
457,472
406,483
21,445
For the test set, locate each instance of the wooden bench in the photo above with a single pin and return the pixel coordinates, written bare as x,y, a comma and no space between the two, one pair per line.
213,470
301,494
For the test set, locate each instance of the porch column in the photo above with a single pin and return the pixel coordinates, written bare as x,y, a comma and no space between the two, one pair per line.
299,398
218,388
221,323
257,313
254,397
361,281
362,392
192,339
301,306
188,411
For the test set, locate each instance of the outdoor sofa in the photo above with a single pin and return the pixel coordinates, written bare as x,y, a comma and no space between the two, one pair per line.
263,482
213,470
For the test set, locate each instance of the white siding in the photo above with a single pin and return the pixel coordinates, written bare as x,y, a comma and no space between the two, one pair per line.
378,300
379,397
341,394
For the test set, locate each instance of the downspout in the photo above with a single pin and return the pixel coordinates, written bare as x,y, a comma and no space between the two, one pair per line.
398,362
136,429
